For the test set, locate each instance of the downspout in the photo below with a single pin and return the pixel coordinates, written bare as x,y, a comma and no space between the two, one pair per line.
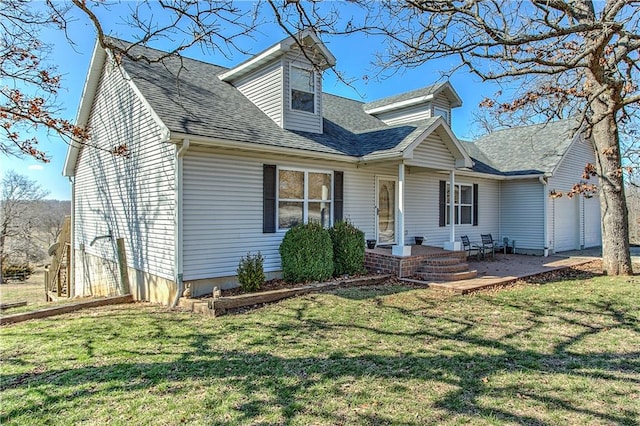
178,221
545,232
72,235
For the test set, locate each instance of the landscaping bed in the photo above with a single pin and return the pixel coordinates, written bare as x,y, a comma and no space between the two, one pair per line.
272,291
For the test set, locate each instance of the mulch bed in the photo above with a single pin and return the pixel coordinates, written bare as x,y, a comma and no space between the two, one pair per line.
277,284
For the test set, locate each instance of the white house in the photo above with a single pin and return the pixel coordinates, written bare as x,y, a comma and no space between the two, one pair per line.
222,161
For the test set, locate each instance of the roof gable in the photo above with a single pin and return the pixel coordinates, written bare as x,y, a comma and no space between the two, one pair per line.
318,52
404,100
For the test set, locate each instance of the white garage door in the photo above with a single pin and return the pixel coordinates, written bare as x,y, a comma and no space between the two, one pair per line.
567,225
592,229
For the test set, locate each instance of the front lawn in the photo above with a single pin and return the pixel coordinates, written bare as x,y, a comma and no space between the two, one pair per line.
565,352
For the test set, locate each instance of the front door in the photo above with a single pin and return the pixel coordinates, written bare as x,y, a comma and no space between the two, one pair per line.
386,189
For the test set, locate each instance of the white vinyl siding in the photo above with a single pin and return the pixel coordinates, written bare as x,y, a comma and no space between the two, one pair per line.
301,120
222,209
406,115
131,198
433,153
422,208
264,89
522,213
569,225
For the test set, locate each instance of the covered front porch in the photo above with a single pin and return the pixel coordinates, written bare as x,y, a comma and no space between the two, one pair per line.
420,206
416,193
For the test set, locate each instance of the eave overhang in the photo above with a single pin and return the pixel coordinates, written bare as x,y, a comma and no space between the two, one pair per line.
307,38
86,101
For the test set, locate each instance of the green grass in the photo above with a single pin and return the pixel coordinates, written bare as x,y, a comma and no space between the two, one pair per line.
30,291
562,353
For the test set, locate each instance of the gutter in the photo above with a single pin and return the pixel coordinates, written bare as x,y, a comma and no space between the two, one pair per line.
178,221
254,147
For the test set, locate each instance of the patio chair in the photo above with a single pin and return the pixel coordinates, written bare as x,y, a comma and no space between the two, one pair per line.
489,245
470,247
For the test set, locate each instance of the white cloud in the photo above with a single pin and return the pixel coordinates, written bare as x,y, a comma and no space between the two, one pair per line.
36,167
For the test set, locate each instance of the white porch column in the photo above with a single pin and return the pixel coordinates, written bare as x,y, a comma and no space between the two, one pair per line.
401,249
452,244
452,214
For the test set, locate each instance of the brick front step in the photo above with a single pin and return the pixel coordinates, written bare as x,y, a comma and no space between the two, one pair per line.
441,261
443,269
454,276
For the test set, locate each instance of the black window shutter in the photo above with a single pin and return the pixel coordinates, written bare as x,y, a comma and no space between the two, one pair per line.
268,198
475,204
338,196
443,203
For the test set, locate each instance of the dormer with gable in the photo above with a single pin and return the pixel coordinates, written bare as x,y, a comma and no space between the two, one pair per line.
285,81
431,101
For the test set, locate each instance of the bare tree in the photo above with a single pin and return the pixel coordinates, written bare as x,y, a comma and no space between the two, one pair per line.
50,216
19,193
30,83
579,56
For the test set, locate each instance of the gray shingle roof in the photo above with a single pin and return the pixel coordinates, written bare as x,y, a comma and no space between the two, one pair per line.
189,98
523,150
425,91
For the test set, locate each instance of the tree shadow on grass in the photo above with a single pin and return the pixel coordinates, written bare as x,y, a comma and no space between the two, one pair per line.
468,365
282,382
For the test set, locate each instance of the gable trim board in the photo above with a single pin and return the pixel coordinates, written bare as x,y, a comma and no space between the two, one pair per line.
212,194
277,50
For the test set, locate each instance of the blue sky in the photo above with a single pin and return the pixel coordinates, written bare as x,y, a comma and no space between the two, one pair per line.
354,55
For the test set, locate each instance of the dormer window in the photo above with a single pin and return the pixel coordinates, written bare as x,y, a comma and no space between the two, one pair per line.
444,113
302,89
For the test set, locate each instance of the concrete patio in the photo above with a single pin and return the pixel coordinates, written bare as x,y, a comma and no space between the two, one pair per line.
507,268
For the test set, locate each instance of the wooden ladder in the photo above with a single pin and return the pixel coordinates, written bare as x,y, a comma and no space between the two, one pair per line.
57,277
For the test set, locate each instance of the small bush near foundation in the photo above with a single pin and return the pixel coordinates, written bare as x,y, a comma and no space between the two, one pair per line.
348,249
251,272
307,253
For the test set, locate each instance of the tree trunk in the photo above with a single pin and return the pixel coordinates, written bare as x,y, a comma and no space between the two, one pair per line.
616,259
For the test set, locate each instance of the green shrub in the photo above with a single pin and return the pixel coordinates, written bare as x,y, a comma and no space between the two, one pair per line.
251,272
19,272
307,253
348,249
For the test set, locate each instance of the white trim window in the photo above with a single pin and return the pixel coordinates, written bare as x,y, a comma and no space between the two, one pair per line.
444,113
303,92
463,204
304,196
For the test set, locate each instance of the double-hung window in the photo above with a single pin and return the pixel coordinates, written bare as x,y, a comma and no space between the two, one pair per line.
303,91
304,196
462,204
